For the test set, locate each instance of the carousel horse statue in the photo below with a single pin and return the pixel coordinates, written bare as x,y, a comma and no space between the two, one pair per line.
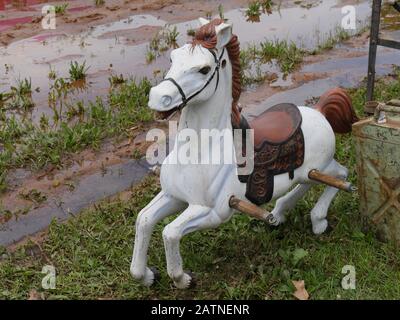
290,142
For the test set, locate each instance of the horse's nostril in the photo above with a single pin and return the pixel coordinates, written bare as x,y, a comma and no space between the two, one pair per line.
166,100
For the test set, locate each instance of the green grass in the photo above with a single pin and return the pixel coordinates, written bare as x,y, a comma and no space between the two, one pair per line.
254,9
36,146
61,9
20,96
99,3
286,54
77,71
242,259
162,41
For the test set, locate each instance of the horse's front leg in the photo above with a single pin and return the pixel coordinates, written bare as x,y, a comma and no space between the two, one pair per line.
194,218
161,206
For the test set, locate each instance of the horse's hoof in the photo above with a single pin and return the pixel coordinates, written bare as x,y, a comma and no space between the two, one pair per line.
187,281
193,281
156,274
319,227
152,276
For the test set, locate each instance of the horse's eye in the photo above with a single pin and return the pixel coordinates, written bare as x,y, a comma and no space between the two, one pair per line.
205,70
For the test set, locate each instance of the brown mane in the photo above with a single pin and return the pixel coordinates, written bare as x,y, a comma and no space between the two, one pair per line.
206,37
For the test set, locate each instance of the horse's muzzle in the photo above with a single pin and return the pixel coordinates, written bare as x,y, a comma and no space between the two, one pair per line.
164,97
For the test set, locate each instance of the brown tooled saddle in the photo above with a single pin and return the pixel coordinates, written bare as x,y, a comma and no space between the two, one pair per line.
278,149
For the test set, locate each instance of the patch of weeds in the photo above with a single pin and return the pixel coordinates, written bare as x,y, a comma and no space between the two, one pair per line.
20,96
191,32
150,56
115,80
161,42
77,71
61,9
333,38
136,154
99,3
266,6
285,54
52,74
36,146
253,12
56,97
171,36
256,8
221,12
34,196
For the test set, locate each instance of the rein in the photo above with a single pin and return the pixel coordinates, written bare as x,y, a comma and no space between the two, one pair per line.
185,99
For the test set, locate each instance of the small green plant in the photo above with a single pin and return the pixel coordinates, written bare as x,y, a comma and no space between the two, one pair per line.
99,3
150,56
335,37
191,32
116,80
56,97
77,71
21,95
61,8
266,6
254,10
33,195
161,42
52,74
171,36
221,11
136,154
24,87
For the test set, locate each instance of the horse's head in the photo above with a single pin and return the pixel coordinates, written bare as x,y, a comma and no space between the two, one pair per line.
195,70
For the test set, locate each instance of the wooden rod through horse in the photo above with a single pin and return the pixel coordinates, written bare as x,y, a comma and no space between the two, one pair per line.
331,181
251,210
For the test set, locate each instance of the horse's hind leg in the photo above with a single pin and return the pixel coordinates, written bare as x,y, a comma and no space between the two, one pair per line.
288,202
160,207
320,210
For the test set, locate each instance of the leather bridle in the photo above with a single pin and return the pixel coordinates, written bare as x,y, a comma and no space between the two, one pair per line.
185,99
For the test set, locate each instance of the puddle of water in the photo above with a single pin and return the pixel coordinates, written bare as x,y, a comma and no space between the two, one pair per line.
346,72
90,189
109,49
104,56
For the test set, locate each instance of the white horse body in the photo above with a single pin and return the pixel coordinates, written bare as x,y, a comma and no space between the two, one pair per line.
203,190
210,185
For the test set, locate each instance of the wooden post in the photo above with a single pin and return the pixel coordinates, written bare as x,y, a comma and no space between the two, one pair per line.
373,45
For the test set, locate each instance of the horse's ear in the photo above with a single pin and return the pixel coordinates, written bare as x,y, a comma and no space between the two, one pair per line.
203,21
224,34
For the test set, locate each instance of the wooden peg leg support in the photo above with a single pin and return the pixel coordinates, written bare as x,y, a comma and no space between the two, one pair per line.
331,181
251,210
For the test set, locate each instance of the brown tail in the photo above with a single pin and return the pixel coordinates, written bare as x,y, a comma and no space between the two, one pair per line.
336,106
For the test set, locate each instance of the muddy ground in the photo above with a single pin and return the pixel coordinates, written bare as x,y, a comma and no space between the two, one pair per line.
25,20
